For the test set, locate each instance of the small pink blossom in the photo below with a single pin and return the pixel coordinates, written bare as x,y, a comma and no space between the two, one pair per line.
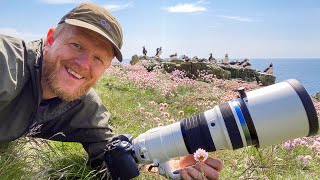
152,103
234,162
165,114
156,119
165,105
200,155
287,145
161,108
171,121
181,113
304,159
149,114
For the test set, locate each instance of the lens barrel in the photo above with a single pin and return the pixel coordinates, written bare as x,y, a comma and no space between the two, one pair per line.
262,117
259,115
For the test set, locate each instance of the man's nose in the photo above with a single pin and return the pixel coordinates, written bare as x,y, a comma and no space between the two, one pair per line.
83,60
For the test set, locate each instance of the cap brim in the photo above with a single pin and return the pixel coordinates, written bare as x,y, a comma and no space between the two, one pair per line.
79,23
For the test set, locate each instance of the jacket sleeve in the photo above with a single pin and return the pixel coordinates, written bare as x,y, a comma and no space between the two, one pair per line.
85,122
102,130
12,68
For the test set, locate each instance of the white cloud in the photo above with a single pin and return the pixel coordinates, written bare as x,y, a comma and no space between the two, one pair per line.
117,7
237,18
187,8
63,1
22,35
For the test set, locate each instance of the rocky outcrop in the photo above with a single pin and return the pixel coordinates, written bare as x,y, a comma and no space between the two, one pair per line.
318,96
248,74
194,69
134,59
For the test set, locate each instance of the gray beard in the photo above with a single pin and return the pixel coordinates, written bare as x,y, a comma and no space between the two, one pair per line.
49,75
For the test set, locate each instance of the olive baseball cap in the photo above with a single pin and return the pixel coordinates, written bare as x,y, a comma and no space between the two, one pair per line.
98,19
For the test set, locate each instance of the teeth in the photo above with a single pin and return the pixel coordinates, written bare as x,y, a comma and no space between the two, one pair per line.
74,73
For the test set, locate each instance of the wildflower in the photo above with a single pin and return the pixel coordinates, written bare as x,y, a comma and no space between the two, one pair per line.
306,160
181,113
165,114
165,105
141,109
160,124
287,145
171,121
152,103
299,158
234,162
149,114
308,157
200,155
161,108
156,119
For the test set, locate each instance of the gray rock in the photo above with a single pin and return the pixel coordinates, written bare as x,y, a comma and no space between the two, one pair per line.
134,59
318,96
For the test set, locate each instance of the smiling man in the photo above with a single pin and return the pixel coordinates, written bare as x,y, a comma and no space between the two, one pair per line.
46,85
73,62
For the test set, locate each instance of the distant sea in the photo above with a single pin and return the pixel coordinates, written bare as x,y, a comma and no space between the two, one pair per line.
307,71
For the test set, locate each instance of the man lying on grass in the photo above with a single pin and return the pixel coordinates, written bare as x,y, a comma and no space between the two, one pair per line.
48,84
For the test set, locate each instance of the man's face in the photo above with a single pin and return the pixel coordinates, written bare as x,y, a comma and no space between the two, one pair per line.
73,63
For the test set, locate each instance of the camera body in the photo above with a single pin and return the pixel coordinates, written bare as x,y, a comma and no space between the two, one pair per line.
119,157
262,117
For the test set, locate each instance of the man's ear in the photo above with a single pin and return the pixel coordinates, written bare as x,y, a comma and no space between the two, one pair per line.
50,37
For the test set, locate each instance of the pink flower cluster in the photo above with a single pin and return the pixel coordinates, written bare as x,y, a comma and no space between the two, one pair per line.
312,143
206,77
296,142
305,160
157,114
200,155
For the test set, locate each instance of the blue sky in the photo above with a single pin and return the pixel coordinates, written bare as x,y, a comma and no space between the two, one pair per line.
241,28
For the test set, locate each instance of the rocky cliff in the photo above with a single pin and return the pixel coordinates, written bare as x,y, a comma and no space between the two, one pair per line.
220,71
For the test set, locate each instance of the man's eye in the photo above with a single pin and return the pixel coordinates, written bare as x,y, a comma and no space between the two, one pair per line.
76,45
98,59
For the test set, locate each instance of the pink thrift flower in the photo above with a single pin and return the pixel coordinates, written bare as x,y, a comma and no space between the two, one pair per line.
156,119
165,114
171,121
234,162
307,157
181,113
161,108
200,155
152,103
149,114
287,145
306,160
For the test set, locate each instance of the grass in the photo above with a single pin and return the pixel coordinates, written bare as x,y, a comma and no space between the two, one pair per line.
140,100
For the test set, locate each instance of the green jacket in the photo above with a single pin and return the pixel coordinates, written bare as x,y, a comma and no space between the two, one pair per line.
84,120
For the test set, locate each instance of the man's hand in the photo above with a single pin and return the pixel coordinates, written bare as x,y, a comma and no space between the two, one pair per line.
191,169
